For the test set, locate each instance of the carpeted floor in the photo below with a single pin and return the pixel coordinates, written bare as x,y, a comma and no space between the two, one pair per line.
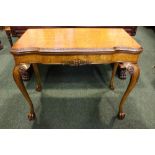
79,98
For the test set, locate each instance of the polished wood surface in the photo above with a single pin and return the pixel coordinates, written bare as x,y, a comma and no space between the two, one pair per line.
76,47
73,59
69,40
17,31
134,71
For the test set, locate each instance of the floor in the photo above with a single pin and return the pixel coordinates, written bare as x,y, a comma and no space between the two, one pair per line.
79,98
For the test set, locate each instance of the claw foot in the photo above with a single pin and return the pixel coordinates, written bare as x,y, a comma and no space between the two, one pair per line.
121,115
31,116
38,88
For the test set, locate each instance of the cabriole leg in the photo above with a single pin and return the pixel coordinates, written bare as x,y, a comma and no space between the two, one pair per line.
20,84
134,71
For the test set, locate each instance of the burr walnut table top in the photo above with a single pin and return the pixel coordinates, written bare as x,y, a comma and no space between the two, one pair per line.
75,41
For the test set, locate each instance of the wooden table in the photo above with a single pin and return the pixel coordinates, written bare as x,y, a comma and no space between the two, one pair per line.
76,46
17,31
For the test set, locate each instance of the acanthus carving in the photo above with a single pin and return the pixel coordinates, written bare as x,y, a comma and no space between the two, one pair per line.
129,67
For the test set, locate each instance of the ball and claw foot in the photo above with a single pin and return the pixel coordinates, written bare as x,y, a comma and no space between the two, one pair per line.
38,88
31,116
121,115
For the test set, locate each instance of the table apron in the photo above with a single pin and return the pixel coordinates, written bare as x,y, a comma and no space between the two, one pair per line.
76,59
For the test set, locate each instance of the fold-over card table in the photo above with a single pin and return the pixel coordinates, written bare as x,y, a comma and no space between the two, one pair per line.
76,46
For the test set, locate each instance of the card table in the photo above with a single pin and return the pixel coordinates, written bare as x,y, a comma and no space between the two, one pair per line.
76,46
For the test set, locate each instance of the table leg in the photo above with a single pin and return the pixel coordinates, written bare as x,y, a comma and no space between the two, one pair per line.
113,76
37,76
134,72
20,84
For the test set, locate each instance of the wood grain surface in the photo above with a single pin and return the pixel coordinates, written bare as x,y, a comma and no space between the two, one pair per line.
76,40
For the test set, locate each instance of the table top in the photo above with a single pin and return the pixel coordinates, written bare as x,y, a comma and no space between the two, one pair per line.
75,40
